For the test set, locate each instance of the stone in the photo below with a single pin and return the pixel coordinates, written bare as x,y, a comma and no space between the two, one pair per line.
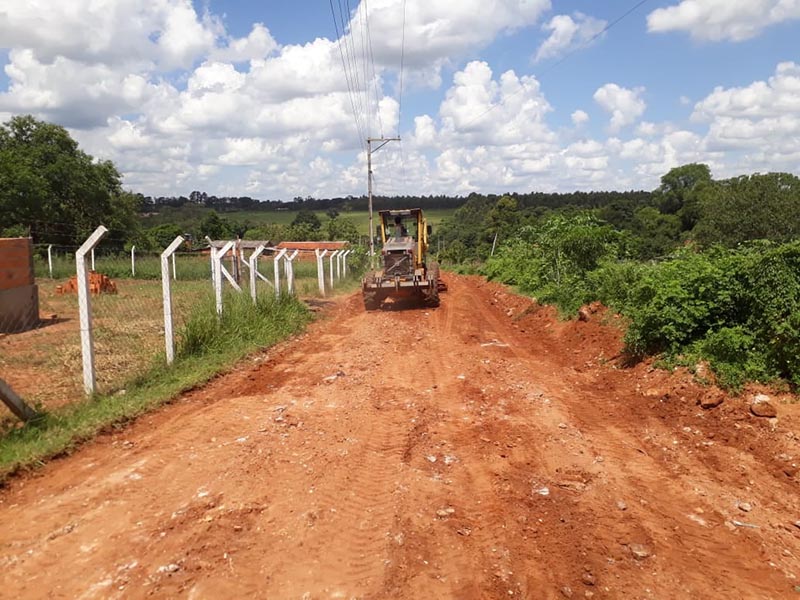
584,313
587,578
621,505
762,406
711,399
170,568
566,591
639,551
745,506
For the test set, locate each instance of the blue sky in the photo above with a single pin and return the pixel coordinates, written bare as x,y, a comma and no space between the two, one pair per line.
500,95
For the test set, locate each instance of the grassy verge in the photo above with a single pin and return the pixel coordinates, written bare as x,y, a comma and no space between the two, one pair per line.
208,345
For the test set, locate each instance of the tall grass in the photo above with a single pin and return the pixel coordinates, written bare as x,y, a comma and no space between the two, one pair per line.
207,346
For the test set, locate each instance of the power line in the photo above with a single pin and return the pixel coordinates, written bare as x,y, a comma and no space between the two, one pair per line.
374,74
402,65
350,92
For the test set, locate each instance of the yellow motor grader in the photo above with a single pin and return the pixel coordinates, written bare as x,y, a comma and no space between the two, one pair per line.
405,272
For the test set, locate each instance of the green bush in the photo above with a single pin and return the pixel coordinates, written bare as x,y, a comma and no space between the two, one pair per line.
676,302
551,260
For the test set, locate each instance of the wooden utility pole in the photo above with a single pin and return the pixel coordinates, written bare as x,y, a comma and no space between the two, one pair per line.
370,140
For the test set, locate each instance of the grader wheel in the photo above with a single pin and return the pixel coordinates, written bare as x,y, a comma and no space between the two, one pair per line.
371,301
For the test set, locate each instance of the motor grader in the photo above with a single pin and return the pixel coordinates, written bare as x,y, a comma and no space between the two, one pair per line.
405,272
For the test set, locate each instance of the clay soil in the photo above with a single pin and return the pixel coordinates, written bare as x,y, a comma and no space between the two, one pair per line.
483,449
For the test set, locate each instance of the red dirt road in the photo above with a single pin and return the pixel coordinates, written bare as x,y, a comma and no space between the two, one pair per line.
479,450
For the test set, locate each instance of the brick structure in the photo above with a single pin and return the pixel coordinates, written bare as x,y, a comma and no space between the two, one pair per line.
98,284
19,296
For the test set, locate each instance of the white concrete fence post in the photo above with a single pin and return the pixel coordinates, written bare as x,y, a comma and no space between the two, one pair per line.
50,259
332,256
85,308
290,271
344,262
253,266
174,272
320,269
93,269
133,261
219,271
276,265
166,291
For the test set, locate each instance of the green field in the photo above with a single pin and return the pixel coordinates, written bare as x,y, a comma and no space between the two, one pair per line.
189,218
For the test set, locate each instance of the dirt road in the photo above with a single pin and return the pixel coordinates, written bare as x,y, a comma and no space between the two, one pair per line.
479,450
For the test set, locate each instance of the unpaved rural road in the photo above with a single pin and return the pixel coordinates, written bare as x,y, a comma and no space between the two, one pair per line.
479,450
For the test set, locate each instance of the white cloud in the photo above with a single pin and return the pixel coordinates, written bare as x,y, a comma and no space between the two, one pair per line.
111,32
778,96
257,45
718,20
624,105
478,109
579,117
437,33
567,33
760,122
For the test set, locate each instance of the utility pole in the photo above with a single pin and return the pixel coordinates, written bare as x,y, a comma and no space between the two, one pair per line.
370,140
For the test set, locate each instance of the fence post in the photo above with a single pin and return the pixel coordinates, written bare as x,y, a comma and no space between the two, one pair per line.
174,272
276,265
93,269
333,255
169,338
50,260
219,255
254,269
85,307
320,269
133,261
344,262
290,272
339,264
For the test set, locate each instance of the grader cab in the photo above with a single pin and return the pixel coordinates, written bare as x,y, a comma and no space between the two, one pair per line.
405,272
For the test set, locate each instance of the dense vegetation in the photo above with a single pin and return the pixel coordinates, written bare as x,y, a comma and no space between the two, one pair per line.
703,270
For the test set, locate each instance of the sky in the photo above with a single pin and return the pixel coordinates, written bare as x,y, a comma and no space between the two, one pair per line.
275,99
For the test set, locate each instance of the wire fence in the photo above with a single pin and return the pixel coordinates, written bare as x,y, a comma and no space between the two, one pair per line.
42,354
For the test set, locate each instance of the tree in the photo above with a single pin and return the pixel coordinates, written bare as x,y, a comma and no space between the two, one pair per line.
502,218
750,207
215,227
57,191
680,190
162,236
656,233
307,217
272,232
342,228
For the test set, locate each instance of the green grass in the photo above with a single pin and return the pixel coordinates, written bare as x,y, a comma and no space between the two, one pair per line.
118,266
279,217
208,346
